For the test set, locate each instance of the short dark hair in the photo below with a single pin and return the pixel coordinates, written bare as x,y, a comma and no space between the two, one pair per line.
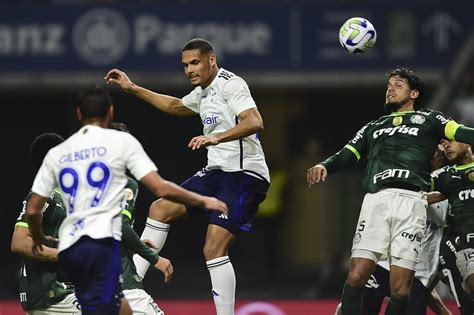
41,145
120,126
203,45
94,102
413,80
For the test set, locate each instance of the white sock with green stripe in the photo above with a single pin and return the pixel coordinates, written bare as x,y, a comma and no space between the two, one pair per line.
223,284
156,232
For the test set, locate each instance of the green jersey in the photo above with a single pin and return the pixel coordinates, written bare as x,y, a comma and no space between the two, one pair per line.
131,242
457,184
398,147
39,283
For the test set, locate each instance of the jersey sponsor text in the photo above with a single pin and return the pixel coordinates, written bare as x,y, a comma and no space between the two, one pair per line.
391,172
398,129
466,194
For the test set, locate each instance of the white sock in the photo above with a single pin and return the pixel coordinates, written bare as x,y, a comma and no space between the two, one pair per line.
156,232
223,284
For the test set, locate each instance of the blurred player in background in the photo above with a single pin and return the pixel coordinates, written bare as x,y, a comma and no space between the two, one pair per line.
449,272
392,221
133,290
90,167
456,183
236,171
41,289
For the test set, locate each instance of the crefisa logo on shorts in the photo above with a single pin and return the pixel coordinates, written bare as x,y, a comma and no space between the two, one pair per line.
412,237
101,36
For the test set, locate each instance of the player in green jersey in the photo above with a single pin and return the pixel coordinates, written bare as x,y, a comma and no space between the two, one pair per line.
133,290
398,147
140,301
41,290
456,183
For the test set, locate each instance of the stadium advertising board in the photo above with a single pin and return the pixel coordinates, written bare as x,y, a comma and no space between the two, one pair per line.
285,38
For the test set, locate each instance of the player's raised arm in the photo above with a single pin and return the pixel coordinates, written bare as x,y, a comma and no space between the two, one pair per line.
168,104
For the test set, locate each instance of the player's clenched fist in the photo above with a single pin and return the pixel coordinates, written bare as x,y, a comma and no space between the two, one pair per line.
316,174
115,76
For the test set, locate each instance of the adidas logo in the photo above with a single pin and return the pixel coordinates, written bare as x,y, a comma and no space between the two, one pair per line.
223,216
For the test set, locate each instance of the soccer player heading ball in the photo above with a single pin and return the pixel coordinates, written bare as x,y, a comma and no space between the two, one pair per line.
399,148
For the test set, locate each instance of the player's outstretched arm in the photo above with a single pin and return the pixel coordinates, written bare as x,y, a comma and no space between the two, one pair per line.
168,190
22,244
332,164
250,122
168,104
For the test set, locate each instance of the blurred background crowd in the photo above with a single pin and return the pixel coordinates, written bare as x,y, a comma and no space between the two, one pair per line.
313,97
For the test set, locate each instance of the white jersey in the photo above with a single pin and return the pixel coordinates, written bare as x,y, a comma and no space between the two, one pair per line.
428,264
89,167
219,106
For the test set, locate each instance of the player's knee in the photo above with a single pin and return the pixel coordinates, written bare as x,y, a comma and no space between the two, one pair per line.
356,279
213,250
165,211
400,292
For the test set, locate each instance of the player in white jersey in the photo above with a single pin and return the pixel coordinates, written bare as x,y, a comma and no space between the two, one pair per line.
90,167
236,171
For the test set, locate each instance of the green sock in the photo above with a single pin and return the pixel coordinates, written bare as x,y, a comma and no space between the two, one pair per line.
351,300
396,306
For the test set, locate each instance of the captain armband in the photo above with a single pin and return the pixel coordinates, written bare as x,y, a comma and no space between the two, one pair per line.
464,134
450,129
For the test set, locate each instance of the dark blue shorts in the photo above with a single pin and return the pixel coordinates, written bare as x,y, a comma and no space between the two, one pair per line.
378,287
240,191
94,267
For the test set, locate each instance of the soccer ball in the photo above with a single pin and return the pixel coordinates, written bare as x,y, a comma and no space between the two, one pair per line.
357,35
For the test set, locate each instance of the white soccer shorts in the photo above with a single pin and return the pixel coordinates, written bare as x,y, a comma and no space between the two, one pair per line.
392,223
68,306
465,264
142,303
